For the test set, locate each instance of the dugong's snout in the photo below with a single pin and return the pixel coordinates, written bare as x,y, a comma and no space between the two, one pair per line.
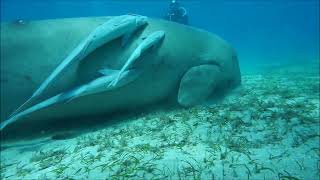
230,76
236,74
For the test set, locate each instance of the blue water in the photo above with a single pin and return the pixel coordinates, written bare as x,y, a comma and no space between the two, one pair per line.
268,130
262,32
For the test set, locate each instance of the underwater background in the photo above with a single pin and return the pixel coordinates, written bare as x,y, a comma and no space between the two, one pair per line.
267,130
262,32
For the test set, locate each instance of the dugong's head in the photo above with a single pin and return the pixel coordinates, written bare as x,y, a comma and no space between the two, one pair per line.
215,72
221,54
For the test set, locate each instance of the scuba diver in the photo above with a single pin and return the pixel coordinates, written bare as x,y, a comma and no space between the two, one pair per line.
177,13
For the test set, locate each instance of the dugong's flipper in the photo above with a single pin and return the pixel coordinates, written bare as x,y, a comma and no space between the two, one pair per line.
152,40
197,84
106,32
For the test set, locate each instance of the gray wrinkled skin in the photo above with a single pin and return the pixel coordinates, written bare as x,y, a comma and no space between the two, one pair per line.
31,51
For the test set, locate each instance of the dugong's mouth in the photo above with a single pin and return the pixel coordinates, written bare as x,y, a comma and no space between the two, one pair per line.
208,60
211,62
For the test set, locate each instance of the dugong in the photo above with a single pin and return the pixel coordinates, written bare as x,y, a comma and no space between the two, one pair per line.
133,66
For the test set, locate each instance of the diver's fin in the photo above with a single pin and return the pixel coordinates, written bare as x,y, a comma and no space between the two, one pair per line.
197,84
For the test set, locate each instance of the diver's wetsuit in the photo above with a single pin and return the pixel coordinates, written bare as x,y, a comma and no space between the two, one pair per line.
177,13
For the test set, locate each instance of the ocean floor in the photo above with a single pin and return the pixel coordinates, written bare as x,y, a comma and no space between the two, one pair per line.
268,129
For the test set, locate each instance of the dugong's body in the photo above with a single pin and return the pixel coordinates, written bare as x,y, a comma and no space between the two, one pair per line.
177,69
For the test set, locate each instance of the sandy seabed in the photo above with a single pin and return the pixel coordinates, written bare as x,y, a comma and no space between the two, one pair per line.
269,129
